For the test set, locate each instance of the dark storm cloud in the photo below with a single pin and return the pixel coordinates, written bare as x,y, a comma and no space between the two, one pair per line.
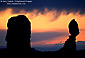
36,37
68,5
2,37
80,45
41,36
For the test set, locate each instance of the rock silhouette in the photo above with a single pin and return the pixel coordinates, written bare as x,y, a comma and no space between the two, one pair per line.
18,35
73,28
18,40
70,44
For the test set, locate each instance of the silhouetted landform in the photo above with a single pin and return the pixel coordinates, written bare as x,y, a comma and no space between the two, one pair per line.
18,40
18,35
70,44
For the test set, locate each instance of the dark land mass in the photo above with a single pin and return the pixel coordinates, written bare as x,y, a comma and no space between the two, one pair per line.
3,52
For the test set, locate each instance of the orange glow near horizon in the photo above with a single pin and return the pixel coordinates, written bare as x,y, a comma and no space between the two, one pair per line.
48,21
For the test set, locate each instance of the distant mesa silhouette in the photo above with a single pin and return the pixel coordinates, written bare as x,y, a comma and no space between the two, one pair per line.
70,44
18,34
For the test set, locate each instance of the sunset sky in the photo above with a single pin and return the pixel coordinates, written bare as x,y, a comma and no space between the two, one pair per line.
49,20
